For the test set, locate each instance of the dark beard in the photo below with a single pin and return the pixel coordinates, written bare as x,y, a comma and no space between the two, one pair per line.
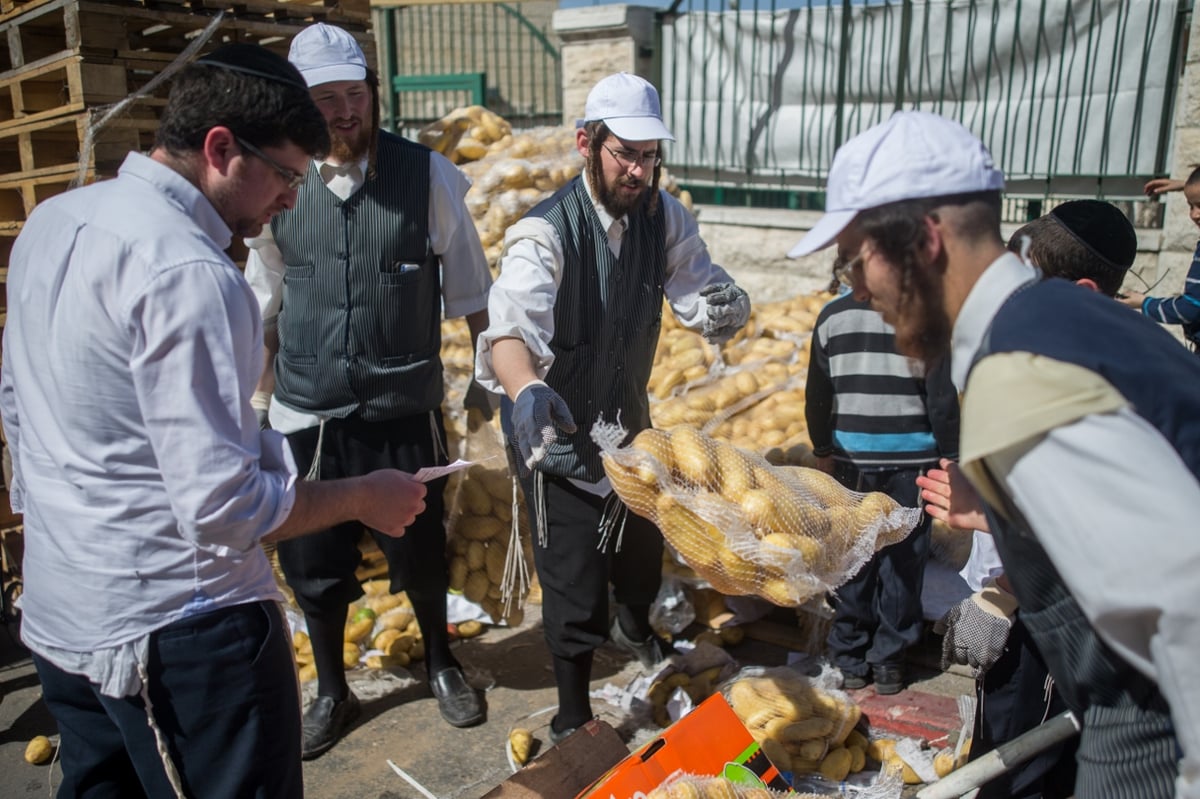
619,205
348,152
923,329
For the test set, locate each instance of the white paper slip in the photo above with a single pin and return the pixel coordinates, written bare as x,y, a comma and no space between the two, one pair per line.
434,472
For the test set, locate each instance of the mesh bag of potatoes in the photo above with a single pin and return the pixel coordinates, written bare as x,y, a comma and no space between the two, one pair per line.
487,533
802,724
693,786
784,533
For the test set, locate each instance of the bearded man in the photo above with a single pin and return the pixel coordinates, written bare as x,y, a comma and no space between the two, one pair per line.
1080,431
351,284
575,317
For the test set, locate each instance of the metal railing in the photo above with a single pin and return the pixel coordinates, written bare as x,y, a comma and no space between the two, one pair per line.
435,58
1073,98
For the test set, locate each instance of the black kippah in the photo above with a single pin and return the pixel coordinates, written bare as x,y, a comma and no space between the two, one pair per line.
1102,228
253,59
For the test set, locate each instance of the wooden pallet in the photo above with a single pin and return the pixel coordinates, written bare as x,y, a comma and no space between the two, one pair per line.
62,59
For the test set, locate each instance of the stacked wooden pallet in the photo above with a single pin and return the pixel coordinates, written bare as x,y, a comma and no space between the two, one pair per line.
61,60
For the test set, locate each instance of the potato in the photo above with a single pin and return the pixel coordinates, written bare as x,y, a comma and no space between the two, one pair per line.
691,456
39,750
469,629
836,765
520,742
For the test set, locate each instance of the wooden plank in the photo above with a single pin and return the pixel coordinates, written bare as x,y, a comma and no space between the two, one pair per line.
22,7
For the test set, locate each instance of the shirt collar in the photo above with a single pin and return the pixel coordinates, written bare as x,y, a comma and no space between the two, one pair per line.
997,283
182,192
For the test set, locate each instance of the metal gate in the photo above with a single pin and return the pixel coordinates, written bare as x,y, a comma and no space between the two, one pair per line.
435,58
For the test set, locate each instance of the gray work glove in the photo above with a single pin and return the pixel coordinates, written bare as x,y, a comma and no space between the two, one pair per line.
728,309
537,411
480,399
976,630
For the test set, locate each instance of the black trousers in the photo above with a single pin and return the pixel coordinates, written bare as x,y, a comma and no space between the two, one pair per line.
575,573
1014,697
223,685
878,613
320,567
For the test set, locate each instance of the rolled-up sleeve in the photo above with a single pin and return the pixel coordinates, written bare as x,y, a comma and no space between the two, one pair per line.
465,274
689,266
264,273
521,303
228,483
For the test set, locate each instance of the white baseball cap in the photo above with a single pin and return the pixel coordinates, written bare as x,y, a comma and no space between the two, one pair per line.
912,155
629,106
324,54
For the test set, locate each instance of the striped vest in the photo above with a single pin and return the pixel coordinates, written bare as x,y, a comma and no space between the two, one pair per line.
607,317
1128,748
359,331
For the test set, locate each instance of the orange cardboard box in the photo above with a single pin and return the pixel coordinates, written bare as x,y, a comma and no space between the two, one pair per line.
709,741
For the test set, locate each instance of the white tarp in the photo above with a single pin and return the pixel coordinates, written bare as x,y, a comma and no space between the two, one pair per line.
1055,88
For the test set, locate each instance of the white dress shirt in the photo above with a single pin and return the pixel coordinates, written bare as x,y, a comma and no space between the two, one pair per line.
466,278
132,347
1115,508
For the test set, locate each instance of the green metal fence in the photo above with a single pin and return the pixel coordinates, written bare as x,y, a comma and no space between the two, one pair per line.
1073,98
435,58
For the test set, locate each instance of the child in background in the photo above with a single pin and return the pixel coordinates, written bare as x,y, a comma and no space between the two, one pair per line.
1180,309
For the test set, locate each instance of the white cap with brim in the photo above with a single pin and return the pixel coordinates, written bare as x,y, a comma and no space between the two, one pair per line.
324,54
629,106
913,155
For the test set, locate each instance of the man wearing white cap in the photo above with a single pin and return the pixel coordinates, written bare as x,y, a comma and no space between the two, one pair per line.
1088,464
351,284
575,317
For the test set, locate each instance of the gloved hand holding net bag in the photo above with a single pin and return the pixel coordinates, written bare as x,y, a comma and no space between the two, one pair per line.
785,533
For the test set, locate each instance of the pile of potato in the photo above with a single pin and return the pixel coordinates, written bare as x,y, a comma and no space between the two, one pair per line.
800,727
466,134
747,527
383,622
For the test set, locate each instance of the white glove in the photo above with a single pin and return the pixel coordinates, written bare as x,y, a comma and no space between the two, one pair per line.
728,308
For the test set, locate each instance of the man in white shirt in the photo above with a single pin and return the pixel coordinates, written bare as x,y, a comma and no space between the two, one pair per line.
1088,464
352,284
575,317
130,354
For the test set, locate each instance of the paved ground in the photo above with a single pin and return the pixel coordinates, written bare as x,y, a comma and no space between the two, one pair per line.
403,725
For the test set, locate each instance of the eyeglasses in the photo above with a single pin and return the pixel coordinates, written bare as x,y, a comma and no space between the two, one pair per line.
843,268
631,158
292,178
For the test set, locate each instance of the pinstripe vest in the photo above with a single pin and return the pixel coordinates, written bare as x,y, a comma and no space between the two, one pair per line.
607,317
360,326
1128,749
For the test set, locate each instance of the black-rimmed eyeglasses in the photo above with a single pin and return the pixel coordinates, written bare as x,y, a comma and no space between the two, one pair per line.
292,178
631,158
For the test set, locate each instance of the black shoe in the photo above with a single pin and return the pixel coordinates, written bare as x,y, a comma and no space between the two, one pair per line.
888,679
852,682
557,737
458,702
649,653
325,721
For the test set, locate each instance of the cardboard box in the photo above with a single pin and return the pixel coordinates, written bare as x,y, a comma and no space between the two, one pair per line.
709,741
565,770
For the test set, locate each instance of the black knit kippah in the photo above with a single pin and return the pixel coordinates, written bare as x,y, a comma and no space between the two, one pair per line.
1102,228
252,59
